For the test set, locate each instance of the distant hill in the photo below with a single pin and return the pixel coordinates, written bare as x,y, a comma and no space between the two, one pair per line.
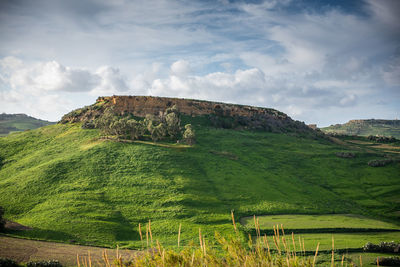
19,122
366,127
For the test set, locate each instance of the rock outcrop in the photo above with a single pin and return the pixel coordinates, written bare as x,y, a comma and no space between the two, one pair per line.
140,106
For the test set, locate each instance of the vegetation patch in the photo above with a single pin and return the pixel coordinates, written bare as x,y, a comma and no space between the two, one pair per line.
2,221
389,247
381,162
345,154
388,261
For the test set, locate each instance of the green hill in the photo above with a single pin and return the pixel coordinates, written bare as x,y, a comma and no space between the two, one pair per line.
19,122
72,185
366,128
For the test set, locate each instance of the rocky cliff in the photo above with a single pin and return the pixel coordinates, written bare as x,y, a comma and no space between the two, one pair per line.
140,106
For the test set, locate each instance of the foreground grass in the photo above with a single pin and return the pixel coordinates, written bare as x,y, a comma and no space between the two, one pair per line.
71,186
282,250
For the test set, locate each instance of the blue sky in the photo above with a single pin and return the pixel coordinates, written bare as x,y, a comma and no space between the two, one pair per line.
321,62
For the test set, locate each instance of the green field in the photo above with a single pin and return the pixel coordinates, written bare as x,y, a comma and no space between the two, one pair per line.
367,259
342,241
68,184
297,221
348,231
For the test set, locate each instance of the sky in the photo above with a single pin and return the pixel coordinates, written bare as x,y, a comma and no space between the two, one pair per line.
322,62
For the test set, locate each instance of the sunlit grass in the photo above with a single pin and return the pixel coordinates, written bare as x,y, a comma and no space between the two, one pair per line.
69,185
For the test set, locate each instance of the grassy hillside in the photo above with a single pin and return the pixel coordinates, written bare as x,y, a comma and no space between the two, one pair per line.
19,122
70,185
366,127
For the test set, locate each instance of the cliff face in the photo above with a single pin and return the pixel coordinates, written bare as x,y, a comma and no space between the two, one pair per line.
246,116
142,105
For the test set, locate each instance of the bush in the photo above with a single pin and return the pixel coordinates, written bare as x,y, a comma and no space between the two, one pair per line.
8,263
382,139
189,135
389,247
2,221
173,123
88,125
379,162
50,263
388,261
159,132
345,154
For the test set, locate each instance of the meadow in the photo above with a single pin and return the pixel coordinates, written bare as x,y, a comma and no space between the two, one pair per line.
70,185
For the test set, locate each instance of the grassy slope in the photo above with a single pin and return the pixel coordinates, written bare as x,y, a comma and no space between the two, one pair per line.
68,185
368,127
19,122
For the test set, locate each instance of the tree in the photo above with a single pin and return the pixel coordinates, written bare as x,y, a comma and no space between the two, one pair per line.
106,121
136,129
189,135
159,132
173,124
173,109
151,122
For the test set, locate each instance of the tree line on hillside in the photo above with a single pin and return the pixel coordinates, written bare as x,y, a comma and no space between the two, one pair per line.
165,126
382,139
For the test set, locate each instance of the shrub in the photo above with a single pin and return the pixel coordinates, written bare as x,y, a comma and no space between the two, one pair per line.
50,263
173,123
2,221
88,125
390,247
106,120
8,263
382,139
159,132
379,162
388,261
345,154
189,135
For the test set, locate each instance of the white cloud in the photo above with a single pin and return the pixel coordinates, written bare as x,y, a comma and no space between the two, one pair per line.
45,76
111,81
53,76
44,89
180,67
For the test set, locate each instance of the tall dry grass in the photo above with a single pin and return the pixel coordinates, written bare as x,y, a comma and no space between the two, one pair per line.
285,251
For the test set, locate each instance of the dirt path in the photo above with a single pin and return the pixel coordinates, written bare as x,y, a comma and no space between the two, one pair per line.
23,250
